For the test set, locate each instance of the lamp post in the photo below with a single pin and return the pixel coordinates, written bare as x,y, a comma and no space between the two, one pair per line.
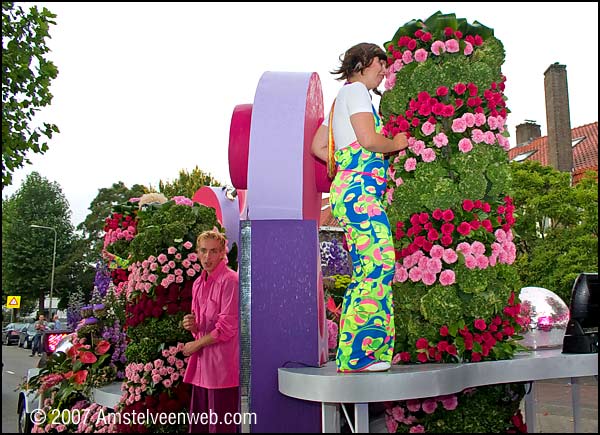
53,261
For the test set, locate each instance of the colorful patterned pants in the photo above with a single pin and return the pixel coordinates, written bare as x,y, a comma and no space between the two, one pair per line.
367,320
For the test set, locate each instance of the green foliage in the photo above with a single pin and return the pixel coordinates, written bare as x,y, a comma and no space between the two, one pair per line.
161,225
335,286
187,184
487,409
100,208
557,226
26,77
151,336
27,253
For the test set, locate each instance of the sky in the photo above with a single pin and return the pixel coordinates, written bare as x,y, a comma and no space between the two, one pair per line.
145,90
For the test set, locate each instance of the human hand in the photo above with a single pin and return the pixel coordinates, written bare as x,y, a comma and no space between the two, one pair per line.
400,141
191,347
189,323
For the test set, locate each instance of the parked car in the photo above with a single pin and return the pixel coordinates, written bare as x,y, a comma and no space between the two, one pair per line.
10,333
26,336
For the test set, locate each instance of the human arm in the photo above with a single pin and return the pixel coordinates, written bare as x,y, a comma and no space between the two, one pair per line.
320,142
189,323
364,129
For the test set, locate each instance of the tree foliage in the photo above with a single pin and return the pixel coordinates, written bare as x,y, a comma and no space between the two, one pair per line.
26,77
27,253
557,226
100,208
187,184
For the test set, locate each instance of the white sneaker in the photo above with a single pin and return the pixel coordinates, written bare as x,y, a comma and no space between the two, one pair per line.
381,366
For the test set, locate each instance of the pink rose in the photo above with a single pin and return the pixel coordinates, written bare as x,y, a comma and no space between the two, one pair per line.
400,274
452,46
429,278
450,403
450,256
489,137
413,405
440,140
465,145
415,274
410,164
436,251
417,429
427,128
470,262
171,250
477,135
428,155
459,125
421,55
429,406
438,47
479,119
407,57
468,48
447,277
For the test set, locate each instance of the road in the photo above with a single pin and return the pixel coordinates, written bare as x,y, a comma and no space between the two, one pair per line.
15,362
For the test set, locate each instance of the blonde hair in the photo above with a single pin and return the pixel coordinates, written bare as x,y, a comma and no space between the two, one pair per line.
212,235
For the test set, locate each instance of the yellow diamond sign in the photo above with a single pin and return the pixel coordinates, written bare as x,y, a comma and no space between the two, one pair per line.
13,302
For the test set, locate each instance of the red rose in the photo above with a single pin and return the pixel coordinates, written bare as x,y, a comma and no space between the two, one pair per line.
476,357
444,331
446,240
412,44
87,358
458,34
404,356
460,88
433,235
437,214
464,228
467,205
422,343
448,31
442,346
448,111
441,91
448,215
422,357
426,37
478,40
480,324
451,349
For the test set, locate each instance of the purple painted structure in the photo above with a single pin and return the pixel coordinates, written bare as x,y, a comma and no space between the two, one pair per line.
283,204
227,210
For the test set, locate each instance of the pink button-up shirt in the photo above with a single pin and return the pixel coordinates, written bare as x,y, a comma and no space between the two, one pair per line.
215,306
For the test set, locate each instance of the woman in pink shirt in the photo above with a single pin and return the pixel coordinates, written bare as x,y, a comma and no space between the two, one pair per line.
213,368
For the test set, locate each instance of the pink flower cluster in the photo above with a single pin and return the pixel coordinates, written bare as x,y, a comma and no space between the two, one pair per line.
406,412
176,266
92,423
332,334
429,253
152,377
182,200
417,49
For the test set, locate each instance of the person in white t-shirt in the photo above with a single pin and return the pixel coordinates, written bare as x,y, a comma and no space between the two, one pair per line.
354,142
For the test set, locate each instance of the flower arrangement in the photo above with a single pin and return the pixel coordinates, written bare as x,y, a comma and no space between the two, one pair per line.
449,202
155,386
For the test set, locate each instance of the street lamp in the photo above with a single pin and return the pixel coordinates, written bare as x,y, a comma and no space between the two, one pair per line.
53,261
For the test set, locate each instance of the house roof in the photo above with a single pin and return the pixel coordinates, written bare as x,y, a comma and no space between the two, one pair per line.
585,150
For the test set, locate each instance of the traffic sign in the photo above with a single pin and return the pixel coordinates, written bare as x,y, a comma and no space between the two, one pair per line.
13,302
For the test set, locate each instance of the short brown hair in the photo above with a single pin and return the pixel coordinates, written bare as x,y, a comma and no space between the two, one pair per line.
357,58
212,235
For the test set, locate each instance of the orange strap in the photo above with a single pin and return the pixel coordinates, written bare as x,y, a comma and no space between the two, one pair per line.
331,146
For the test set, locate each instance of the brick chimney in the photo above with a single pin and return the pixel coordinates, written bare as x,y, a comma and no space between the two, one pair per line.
560,151
527,131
